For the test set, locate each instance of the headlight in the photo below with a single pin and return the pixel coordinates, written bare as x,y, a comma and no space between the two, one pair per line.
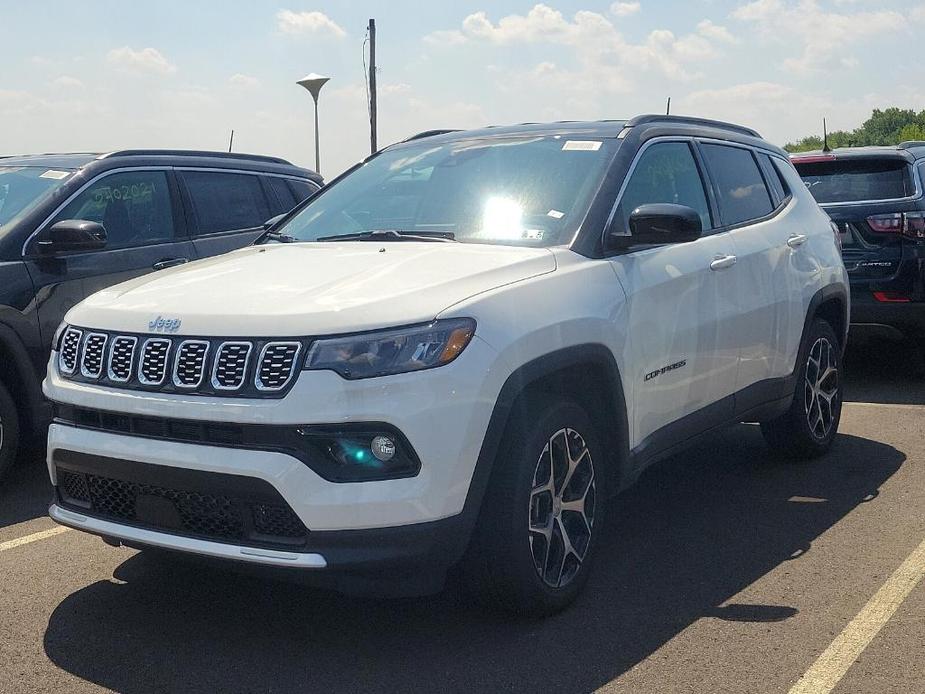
392,351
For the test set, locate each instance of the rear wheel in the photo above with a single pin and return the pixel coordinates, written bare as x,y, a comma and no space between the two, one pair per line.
806,430
536,534
9,431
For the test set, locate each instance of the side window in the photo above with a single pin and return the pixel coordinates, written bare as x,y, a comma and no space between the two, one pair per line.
226,201
133,206
740,189
284,197
301,189
666,172
773,177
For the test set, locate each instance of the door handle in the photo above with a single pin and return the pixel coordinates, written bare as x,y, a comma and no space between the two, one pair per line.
721,262
796,240
169,262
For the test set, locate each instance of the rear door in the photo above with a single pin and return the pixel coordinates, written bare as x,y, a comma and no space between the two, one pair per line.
225,209
140,211
681,307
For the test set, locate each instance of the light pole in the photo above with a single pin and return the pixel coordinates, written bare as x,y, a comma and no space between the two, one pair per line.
313,83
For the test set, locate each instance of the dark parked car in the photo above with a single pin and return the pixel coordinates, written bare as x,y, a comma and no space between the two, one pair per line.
875,197
71,224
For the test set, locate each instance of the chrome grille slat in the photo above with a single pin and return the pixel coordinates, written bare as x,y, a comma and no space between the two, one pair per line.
152,366
276,365
94,354
121,356
189,366
230,369
70,350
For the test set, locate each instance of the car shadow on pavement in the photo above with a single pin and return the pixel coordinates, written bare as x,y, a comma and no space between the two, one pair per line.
694,532
884,371
25,492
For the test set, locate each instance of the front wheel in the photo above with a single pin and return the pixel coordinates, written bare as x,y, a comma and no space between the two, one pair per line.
806,430
541,515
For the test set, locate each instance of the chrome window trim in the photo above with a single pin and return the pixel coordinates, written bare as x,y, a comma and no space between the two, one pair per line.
142,379
295,359
176,363
218,354
83,371
80,338
112,345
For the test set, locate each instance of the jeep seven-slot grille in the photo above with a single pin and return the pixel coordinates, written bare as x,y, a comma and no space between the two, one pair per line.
214,516
208,366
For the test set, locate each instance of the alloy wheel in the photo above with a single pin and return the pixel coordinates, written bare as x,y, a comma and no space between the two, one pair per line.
821,387
562,508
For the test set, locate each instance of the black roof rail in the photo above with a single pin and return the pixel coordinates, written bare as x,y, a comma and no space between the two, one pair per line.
690,120
194,153
431,133
909,144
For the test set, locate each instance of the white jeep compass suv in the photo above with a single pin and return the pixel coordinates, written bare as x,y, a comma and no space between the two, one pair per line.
455,355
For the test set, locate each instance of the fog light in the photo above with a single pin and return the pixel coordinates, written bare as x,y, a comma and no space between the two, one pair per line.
383,448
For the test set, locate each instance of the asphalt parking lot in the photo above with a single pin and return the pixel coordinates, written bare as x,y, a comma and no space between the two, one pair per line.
726,571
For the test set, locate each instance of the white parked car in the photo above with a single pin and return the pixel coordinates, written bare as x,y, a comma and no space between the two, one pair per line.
456,355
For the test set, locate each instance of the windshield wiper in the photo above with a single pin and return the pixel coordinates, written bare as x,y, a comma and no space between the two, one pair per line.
392,235
277,236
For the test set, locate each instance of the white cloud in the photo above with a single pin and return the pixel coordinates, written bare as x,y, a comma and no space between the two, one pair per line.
243,81
717,32
314,22
826,37
146,60
624,9
603,54
67,82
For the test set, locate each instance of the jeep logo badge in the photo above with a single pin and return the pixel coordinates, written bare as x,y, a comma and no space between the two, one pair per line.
164,325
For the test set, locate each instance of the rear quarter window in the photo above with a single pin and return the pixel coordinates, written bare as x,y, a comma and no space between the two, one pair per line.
855,180
740,188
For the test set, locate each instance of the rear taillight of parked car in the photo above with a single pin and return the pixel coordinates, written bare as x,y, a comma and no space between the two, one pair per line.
910,224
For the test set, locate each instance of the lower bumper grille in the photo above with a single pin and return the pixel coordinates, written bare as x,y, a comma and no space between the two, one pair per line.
212,516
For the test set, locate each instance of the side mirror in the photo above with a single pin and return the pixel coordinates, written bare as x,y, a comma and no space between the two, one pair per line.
73,236
272,221
660,223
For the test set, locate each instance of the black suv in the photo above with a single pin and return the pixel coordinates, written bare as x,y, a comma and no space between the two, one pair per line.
874,195
71,224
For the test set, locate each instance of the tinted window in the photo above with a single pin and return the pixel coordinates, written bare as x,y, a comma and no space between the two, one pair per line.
773,177
282,198
22,187
666,172
301,189
740,189
846,180
133,206
226,201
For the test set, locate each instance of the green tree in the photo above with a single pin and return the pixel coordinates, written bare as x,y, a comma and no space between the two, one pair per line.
888,126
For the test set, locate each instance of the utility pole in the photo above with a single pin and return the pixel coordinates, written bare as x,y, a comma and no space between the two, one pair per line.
373,146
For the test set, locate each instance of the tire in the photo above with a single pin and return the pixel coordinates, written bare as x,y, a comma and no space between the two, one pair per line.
9,431
546,459
807,429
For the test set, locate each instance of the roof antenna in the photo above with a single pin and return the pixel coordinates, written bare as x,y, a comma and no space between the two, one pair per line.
825,138
668,107
231,141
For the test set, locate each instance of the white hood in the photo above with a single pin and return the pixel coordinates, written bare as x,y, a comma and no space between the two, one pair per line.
310,288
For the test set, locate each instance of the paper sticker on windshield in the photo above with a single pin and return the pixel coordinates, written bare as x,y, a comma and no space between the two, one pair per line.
581,145
57,175
555,214
533,234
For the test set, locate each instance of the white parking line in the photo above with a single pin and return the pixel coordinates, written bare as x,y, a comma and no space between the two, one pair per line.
831,666
34,537
885,405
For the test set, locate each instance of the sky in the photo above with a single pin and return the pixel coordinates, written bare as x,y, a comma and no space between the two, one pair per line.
99,75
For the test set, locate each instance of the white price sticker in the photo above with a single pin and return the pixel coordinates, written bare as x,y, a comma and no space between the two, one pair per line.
581,145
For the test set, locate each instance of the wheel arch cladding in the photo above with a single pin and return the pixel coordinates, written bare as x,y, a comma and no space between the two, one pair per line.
831,305
587,374
18,376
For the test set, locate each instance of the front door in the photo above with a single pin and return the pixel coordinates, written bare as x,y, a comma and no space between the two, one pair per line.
143,234
680,309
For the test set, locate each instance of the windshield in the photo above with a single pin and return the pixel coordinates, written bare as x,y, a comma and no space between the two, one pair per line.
526,191
853,180
23,186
